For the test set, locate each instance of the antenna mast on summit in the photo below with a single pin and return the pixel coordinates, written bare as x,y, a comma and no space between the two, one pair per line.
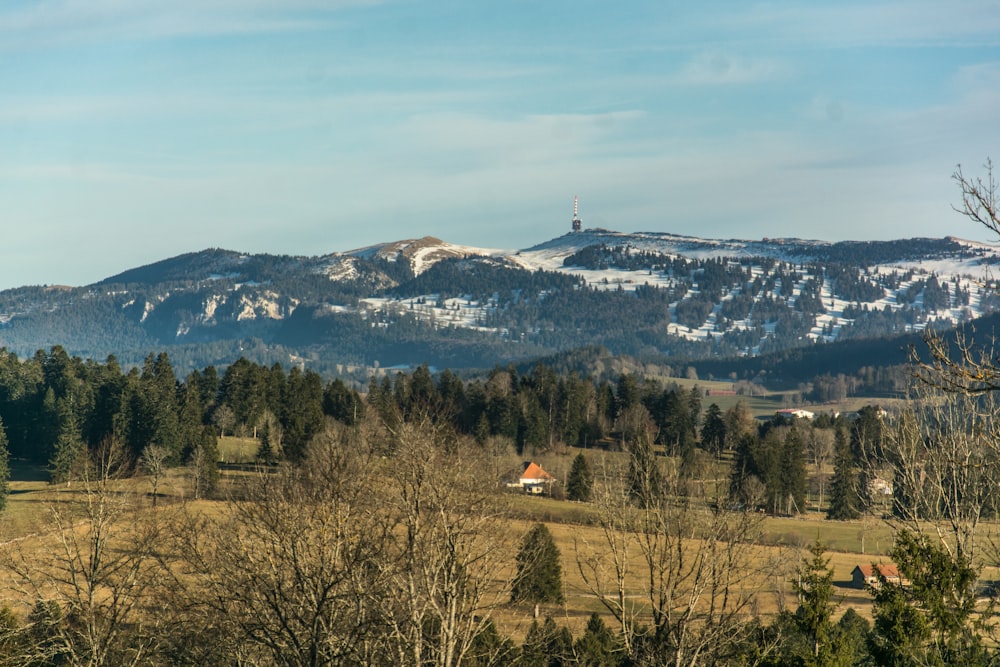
577,223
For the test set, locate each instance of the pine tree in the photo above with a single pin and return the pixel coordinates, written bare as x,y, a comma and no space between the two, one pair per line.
845,501
546,645
929,621
539,572
597,646
490,649
70,449
794,480
813,618
713,430
745,472
580,483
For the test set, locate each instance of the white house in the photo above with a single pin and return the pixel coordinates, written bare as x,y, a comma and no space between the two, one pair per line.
534,480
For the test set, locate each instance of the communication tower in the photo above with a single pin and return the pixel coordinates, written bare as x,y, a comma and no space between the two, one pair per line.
577,222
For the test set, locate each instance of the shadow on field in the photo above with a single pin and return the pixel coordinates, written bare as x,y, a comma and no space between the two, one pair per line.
22,471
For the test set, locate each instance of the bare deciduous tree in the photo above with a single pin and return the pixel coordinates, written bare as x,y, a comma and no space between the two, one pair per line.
680,578
154,463
381,547
224,418
96,573
820,449
970,368
285,572
943,452
452,563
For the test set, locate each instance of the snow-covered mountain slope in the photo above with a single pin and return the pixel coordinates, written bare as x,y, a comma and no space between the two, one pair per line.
950,256
638,293
420,254
897,271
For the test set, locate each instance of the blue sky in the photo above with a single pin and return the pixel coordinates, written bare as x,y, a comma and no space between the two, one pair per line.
135,130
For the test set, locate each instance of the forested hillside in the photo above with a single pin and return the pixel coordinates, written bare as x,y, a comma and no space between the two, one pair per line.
426,301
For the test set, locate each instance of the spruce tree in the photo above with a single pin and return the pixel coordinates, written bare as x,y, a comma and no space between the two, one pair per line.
845,501
813,618
794,480
931,619
598,646
745,471
70,449
580,483
713,430
546,645
539,572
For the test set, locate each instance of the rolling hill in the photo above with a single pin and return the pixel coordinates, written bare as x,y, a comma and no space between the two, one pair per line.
649,295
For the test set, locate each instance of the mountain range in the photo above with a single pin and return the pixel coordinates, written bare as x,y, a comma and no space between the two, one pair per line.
649,295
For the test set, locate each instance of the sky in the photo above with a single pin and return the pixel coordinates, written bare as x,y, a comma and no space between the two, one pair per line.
136,130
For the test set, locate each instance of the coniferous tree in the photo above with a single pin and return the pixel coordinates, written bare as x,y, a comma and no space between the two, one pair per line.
769,463
190,418
793,476
301,413
203,464
845,499
739,422
929,621
814,617
342,403
745,477
70,449
546,645
490,649
579,485
158,393
677,422
852,634
539,572
597,646
713,430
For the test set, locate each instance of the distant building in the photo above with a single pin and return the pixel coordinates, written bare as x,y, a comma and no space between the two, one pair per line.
794,412
534,479
867,574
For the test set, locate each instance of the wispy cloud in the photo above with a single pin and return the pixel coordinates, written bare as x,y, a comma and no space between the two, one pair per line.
717,68
863,23
65,22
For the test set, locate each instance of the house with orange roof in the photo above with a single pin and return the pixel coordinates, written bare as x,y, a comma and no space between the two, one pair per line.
534,479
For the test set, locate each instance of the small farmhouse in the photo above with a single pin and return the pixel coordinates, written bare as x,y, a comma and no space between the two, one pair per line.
797,413
534,479
868,574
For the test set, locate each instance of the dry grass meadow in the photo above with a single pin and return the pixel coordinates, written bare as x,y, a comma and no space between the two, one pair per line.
26,521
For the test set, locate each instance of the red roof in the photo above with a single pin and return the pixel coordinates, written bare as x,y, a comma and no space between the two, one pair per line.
534,471
888,570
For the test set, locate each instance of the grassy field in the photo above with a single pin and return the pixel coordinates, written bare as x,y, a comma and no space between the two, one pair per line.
581,602
233,449
569,522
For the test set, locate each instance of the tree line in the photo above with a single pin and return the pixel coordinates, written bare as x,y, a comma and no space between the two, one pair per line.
376,533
